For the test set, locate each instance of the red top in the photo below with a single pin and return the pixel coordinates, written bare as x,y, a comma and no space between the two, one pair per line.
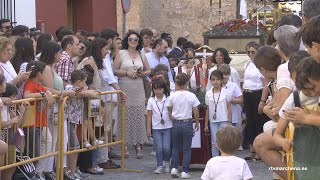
32,87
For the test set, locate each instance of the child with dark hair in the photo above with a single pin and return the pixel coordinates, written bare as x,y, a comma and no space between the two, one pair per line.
157,113
309,35
305,114
227,166
219,109
11,116
34,89
295,59
181,104
307,96
234,92
75,113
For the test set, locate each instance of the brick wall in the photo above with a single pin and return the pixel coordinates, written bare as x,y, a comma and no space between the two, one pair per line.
188,18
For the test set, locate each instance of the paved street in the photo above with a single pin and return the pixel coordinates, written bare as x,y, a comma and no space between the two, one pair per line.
147,164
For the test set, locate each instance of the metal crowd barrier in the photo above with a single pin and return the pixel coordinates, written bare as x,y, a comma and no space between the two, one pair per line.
23,150
97,113
289,154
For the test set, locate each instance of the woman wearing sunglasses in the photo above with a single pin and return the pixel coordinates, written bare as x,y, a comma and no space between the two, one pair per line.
130,68
254,99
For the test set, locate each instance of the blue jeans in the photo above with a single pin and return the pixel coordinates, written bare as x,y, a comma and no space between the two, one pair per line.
214,127
162,139
29,133
182,133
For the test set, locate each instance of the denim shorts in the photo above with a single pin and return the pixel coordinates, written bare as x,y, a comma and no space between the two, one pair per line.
73,139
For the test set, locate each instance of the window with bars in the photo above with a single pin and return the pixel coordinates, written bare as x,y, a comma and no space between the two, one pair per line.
8,10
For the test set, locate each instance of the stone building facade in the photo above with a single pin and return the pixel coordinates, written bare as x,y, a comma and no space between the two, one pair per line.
187,18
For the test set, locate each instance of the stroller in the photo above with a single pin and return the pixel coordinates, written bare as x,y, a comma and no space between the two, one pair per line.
25,171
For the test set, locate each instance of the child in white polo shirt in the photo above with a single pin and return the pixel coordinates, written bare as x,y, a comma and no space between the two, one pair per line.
181,104
157,113
227,166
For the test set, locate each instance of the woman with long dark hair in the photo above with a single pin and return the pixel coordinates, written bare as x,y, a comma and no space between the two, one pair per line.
130,68
24,53
221,56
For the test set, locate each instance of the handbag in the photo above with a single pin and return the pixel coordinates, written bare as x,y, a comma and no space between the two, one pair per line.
146,83
30,116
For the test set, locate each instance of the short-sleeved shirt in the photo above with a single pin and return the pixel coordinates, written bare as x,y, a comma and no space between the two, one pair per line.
221,99
283,78
64,67
234,76
234,91
154,61
310,103
226,168
41,118
252,77
157,107
182,103
77,110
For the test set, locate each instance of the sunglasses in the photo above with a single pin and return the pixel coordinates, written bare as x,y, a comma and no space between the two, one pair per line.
133,39
7,27
251,52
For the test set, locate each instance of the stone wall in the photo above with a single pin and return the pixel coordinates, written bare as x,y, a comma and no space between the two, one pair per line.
188,18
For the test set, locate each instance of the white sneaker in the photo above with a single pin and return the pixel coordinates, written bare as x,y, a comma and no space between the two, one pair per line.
174,173
185,175
159,170
240,148
153,153
87,144
99,142
167,167
99,169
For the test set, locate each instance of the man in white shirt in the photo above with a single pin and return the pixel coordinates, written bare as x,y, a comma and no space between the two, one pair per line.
109,83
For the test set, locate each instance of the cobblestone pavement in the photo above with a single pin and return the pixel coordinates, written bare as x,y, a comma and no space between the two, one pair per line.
148,164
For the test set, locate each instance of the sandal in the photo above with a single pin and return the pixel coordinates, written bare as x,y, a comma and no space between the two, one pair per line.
126,152
250,157
139,152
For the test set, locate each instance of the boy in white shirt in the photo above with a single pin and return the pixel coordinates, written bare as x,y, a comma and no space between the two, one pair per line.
227,166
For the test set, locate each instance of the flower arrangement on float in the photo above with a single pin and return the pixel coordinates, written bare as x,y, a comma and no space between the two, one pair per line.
238,27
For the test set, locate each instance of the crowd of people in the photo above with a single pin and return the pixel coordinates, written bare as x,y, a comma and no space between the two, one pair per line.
280,86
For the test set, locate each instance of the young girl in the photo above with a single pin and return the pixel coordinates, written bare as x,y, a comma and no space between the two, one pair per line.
10,118
181,104
161,124
219,108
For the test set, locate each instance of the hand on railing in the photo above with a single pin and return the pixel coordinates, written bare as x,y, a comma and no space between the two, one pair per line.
92,94
123,96
50,99
24,107
6,101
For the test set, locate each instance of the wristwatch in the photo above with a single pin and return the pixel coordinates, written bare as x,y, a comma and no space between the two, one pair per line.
42,94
